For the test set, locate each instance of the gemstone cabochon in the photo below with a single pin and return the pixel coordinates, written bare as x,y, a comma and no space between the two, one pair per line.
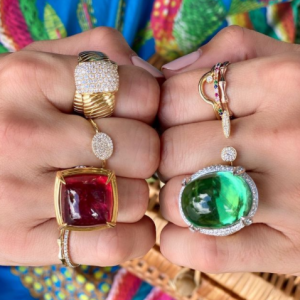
215,200
86,200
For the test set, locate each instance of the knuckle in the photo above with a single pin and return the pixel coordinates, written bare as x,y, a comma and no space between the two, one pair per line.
170,108
113,251
18,132
144,88
234,38
19,66
103,32
233,33
214,256
142,202
287,68
12,249
170,153
147,151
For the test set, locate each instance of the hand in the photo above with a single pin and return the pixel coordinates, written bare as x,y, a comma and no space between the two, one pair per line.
263,90
39,134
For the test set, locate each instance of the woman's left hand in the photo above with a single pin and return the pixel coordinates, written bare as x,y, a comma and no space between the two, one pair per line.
264,95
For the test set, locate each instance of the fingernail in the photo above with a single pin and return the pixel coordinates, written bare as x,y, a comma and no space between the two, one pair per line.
139,62
183,62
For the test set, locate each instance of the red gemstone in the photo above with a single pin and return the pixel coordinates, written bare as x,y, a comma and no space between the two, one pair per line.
86,200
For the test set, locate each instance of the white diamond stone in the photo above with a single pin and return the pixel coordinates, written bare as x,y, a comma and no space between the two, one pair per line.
87,74
102,146
209,79
229,154
226,124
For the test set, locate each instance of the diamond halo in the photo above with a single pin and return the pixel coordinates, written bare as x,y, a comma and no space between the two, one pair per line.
228,154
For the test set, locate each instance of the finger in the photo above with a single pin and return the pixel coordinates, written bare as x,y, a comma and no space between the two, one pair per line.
133,196
48,79
191,147
98,248
268,205
103,39
256,248
232,44
250,89
69,143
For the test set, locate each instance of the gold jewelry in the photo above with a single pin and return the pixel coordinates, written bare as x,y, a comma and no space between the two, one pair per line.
220,103
97,81
208,77
63,243
227,190
102,144
86,198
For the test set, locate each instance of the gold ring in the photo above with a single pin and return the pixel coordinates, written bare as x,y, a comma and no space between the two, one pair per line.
102,144
220,103
207,77
86,198
64,255
97,81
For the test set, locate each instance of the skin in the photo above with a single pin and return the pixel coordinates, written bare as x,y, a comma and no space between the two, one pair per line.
39,135
263,88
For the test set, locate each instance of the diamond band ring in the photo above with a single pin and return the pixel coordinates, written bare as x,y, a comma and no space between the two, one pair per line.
64,255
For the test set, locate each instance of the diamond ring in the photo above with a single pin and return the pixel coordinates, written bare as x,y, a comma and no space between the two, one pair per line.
97,81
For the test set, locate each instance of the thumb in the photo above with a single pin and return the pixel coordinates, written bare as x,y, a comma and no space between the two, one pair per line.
104,39
232,44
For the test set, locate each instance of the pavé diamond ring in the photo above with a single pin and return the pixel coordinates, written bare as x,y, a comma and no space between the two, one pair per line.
97,81
219,200
102,144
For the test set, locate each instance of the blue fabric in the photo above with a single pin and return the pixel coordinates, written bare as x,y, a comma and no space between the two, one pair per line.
134,17
12,287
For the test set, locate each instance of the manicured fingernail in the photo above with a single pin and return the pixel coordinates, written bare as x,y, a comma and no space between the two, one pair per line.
139,62
183,61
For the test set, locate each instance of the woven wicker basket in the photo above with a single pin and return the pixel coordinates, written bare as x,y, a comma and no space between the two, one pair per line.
184,284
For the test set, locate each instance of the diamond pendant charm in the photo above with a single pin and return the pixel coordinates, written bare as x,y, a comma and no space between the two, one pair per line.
219,200
102,146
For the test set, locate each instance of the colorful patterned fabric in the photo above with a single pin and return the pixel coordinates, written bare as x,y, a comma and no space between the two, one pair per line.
169,27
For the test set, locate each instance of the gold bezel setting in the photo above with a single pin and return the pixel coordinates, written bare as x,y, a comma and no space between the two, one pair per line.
60,180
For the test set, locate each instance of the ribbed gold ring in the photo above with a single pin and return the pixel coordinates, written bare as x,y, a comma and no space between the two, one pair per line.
97,81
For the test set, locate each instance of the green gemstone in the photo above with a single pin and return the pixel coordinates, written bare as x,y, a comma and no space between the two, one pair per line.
216,200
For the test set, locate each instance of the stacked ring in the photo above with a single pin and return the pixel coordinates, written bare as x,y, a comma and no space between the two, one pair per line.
97,81
86,198
220,104
218,200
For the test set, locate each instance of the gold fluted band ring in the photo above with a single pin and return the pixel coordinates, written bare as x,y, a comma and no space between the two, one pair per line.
97,81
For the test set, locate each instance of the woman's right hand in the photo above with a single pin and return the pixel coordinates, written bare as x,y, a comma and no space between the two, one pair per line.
39,135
